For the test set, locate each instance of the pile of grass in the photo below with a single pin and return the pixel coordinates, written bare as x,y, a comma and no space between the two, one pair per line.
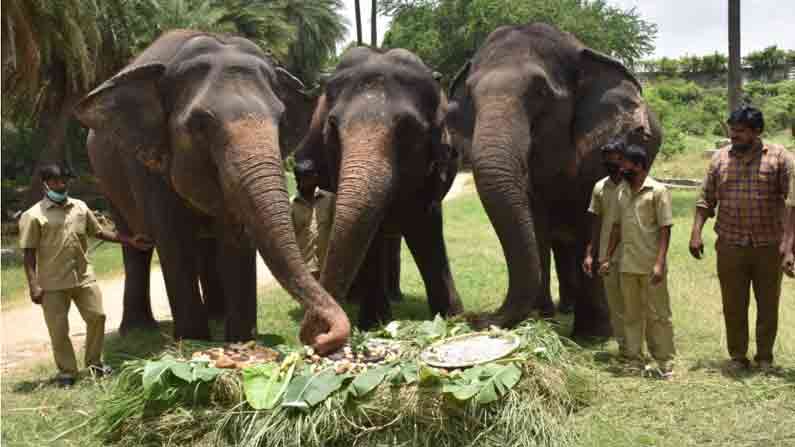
536,412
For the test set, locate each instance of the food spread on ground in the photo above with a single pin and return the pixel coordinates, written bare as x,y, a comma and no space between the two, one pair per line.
349,359
237,355
469,350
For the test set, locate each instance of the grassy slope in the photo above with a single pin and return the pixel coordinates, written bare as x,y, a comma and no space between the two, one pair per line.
699,407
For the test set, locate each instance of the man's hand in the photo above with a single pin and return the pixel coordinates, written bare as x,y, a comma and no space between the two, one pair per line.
787,259
696,246
587,266
36,294
141,242
657,274
604,267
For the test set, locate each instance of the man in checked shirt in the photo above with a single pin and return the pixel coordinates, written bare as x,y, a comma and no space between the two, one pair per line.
747,182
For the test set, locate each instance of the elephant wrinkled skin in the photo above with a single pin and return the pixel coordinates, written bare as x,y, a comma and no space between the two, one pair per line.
533,107
189,133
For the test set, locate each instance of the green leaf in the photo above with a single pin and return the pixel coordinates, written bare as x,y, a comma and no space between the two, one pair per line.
260,384
504,378
308,391
364,383
183,371
434,329
410,373
205,373
271,340
462,391
154,370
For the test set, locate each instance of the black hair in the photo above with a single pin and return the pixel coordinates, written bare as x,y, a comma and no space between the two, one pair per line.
305,167
53,170
636,154
617,145
747,116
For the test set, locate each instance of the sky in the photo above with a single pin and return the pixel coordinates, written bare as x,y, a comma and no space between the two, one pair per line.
695,27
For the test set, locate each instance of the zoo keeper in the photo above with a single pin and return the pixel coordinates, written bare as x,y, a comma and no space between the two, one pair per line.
53,234
788,243
312,212
643,224
747,182
604,206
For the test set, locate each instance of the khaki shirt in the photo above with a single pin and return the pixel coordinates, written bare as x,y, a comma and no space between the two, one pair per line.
312,223
60,236
642,215
302,213
604,203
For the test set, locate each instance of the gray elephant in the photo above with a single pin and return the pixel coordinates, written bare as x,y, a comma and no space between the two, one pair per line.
189,132
532,107
379,133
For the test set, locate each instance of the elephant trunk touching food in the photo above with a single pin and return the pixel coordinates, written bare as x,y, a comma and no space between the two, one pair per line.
367,181
251,173
500,156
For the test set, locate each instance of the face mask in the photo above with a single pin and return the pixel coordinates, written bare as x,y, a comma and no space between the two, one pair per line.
612,168
628,175
57,197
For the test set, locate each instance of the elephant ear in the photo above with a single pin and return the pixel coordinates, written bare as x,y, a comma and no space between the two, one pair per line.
609,103
298,107
127,107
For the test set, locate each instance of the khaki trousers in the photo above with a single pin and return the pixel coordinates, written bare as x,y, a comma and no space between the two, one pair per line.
615,302
55,305
647,315
739,269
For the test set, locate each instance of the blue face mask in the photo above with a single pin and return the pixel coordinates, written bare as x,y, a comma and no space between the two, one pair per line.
57,197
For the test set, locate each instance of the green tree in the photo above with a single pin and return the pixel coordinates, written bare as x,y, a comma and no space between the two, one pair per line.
319,28
445,33
669,66
767,59
715,63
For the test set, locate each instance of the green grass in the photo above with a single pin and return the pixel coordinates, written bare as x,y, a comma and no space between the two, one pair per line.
700,406
106,258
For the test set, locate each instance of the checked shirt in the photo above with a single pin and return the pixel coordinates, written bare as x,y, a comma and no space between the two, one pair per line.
749,191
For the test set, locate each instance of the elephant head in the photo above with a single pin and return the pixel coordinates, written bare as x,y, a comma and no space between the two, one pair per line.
208,112
379,128
531,107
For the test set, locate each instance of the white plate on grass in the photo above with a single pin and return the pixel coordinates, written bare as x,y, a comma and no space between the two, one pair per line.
470,349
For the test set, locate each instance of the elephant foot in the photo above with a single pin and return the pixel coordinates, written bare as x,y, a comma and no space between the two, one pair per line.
592,328
236,331
506,316
546,308
566,307
193,333
395,296
128,326
370,320
325,329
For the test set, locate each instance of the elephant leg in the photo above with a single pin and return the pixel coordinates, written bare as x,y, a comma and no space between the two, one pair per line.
374,306
137,307
391,264
209,278
424,236
568,278
591,314
237,265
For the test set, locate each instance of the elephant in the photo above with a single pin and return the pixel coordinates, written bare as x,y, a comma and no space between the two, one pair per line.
186,141
378,130
532,108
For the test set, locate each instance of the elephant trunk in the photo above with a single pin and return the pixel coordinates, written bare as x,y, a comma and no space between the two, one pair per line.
252,174
500,157
366,183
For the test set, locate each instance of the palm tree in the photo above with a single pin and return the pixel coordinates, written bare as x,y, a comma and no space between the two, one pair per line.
320,27
358,22
373,26
52,61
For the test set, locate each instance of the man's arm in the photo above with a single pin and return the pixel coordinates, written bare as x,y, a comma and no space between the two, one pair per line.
95,229
662,255
36,292
615,239
705,208
596,229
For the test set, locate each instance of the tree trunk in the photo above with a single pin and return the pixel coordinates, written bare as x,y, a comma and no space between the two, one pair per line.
358,10
373,25
735,82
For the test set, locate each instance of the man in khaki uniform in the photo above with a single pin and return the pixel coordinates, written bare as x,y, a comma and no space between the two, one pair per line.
788,242
644,227
54,235
604,206
747,182
312,211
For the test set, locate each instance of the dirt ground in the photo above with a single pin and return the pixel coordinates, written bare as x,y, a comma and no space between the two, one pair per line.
24,333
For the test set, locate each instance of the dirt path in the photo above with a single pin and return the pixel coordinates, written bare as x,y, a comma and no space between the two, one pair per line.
24,333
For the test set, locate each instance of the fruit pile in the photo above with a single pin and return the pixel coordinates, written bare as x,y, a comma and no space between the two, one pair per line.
237,355
354,359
